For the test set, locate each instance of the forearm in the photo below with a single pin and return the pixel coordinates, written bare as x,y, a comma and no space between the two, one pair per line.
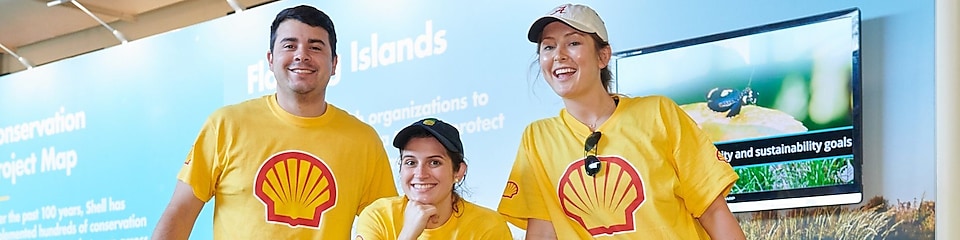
540,229
169,229
177,220
719,222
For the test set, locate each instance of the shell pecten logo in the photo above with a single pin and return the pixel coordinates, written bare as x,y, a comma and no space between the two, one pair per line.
604,204
511,190
296,188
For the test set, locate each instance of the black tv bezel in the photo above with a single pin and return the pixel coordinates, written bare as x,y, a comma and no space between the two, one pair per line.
855,189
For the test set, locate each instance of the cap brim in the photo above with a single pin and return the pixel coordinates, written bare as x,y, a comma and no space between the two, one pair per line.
537,28
404,135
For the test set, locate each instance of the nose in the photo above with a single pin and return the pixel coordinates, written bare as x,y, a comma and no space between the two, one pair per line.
560,56
301,56
420,171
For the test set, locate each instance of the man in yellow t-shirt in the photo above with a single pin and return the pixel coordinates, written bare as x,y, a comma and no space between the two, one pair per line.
657,173
287,165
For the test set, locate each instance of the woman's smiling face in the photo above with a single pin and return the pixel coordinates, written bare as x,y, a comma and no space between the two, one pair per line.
569,59
427,173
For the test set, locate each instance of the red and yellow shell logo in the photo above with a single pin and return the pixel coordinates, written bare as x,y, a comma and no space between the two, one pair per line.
605,203
189,156
721,158
511,190
296,188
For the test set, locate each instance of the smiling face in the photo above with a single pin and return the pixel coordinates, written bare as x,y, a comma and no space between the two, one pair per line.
570,60
427,172
301,59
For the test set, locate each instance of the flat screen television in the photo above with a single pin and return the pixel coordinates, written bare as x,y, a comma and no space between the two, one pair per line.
781,102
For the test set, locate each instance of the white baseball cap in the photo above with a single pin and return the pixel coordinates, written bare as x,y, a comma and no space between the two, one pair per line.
580,17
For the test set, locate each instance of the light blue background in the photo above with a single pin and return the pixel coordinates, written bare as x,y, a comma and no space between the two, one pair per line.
145,101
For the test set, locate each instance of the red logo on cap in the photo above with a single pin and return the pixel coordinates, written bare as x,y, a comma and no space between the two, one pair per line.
560,9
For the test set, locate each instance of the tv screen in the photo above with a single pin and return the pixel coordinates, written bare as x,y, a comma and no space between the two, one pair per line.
781,102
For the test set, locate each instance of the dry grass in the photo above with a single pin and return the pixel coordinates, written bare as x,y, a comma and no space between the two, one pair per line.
876,219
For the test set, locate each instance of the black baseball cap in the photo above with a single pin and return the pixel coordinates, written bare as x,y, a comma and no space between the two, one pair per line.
445,133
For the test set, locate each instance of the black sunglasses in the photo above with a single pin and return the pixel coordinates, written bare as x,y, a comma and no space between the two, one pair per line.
591,163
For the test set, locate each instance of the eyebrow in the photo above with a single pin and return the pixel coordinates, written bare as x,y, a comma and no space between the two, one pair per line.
574,32
310,41
440,156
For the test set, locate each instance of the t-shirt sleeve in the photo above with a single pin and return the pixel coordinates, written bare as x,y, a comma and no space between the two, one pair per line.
498,231
201,169
703,173
370,224
380,177
522,197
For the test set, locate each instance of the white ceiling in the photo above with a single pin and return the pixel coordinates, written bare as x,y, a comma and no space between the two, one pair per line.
43,34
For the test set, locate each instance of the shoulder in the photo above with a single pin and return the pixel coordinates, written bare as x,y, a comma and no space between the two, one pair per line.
386,205
240,110
482,221
389,201
482,215
648,101
479,210
541,130
656,106
543,124
344,119
361,134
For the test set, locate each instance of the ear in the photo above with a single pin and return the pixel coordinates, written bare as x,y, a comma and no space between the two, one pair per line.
333,69
458,176
270,58
605,54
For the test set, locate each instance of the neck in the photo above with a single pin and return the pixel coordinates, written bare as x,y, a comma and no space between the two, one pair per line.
302,105
592,109
444,212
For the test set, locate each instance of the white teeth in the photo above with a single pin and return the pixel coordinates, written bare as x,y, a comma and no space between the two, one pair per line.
301,71
563,70
423,186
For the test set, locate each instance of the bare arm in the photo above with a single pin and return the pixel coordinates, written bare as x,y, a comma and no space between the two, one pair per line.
719,221
540,229
178,219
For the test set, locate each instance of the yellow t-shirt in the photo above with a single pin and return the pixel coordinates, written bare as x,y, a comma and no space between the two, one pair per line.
279,176
383,220
658,172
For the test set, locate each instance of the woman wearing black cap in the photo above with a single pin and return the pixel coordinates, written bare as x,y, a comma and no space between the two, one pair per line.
609,165
432,167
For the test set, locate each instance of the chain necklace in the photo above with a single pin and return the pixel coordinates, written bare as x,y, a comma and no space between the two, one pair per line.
593,126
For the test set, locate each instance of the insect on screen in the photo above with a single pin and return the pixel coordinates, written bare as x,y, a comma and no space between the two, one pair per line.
781,102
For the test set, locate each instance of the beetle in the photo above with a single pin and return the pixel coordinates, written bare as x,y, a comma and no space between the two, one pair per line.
730,100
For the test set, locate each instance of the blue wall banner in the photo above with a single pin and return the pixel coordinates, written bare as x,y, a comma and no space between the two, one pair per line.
90,146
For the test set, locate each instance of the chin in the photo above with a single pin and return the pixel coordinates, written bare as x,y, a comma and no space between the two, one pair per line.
564,93
420,199
302,88
561,90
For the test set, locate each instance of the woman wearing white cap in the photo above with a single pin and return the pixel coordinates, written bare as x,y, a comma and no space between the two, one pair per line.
432,167
611,165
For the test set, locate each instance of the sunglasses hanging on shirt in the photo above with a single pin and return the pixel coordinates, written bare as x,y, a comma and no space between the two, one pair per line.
591,163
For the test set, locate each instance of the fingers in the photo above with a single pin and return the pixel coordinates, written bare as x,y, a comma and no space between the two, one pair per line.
420,211
416,215
428,210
